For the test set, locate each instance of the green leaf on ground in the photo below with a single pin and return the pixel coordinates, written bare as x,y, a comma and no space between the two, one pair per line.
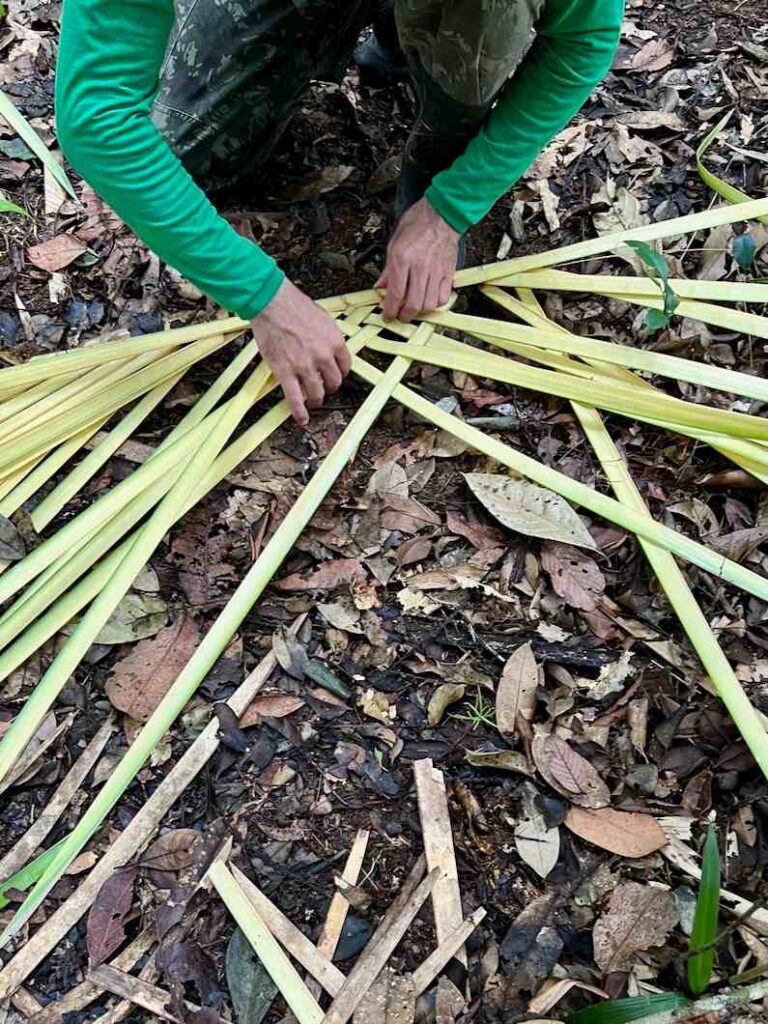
622,1011
699,967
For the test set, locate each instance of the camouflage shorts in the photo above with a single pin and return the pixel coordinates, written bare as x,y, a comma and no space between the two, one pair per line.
235,71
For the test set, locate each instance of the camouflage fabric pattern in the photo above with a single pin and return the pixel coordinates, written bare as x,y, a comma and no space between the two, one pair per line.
468,48
235,72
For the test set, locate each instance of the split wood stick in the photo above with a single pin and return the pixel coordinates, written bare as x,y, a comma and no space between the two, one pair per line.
438,848
288,935
385,939
33,838
25,1003
135,990
87,992
134,836
339,907
125,1008
265,945
426,973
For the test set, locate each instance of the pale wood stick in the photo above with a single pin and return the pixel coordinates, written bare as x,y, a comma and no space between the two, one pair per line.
86,992
133,838
339,907
389,1000
273,958
288,935
426,973
125,1008
134,990
438,848
35,835
385,939
25,1003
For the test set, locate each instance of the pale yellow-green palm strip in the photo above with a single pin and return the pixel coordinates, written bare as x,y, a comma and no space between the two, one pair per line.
730,381
750,455
121,394
44,470
613,396
624,286
713,218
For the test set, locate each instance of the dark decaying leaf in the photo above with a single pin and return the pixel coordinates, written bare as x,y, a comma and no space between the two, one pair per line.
232,735
290,653
12,546
105,930
569,773
250,987
173,851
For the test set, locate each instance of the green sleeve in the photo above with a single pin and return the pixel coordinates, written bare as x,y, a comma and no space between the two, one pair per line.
109,58
574,47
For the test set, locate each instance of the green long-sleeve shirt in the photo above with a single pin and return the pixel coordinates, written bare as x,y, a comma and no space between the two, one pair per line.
109,59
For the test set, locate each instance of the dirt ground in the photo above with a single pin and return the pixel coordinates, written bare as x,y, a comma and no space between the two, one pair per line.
292,785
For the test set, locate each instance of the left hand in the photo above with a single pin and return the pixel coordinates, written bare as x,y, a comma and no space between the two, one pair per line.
421,262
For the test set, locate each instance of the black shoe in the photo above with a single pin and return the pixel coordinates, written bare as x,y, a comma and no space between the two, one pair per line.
378,65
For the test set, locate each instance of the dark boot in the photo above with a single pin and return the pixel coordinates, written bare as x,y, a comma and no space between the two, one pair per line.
379,58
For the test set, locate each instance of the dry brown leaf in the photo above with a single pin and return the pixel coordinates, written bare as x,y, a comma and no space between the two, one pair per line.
140,680
173,851
575,576
629,835
655,55
56,253
740,543
537,843
478,535
529,509
445,695
327,576
406,514
507,760
516,694
416,549
569,773
270,705
639,917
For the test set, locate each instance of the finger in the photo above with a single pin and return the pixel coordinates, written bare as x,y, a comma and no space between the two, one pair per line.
343,360
295,399
396,289
413,303
331,375
445,290
312,383
382,281
431,295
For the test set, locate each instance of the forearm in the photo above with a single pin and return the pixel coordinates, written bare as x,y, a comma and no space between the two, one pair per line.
573,50
109,56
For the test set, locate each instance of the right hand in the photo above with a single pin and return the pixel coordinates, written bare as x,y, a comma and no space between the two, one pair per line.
304,348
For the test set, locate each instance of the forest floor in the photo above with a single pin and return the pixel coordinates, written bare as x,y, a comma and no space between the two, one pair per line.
415,598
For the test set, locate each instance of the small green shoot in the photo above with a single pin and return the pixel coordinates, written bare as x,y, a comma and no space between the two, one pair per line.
657,269
6,206
744,249
623,1011
28,875
699,966
479,712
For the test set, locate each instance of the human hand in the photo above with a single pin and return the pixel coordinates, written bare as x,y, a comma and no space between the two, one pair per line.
304,348
421,262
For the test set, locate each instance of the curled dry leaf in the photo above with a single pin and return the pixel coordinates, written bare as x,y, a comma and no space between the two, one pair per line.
629,835
569,773
270,705
638,918
445,695
56,253
327,576
516,694
529,509
506,760
140,680
575,576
